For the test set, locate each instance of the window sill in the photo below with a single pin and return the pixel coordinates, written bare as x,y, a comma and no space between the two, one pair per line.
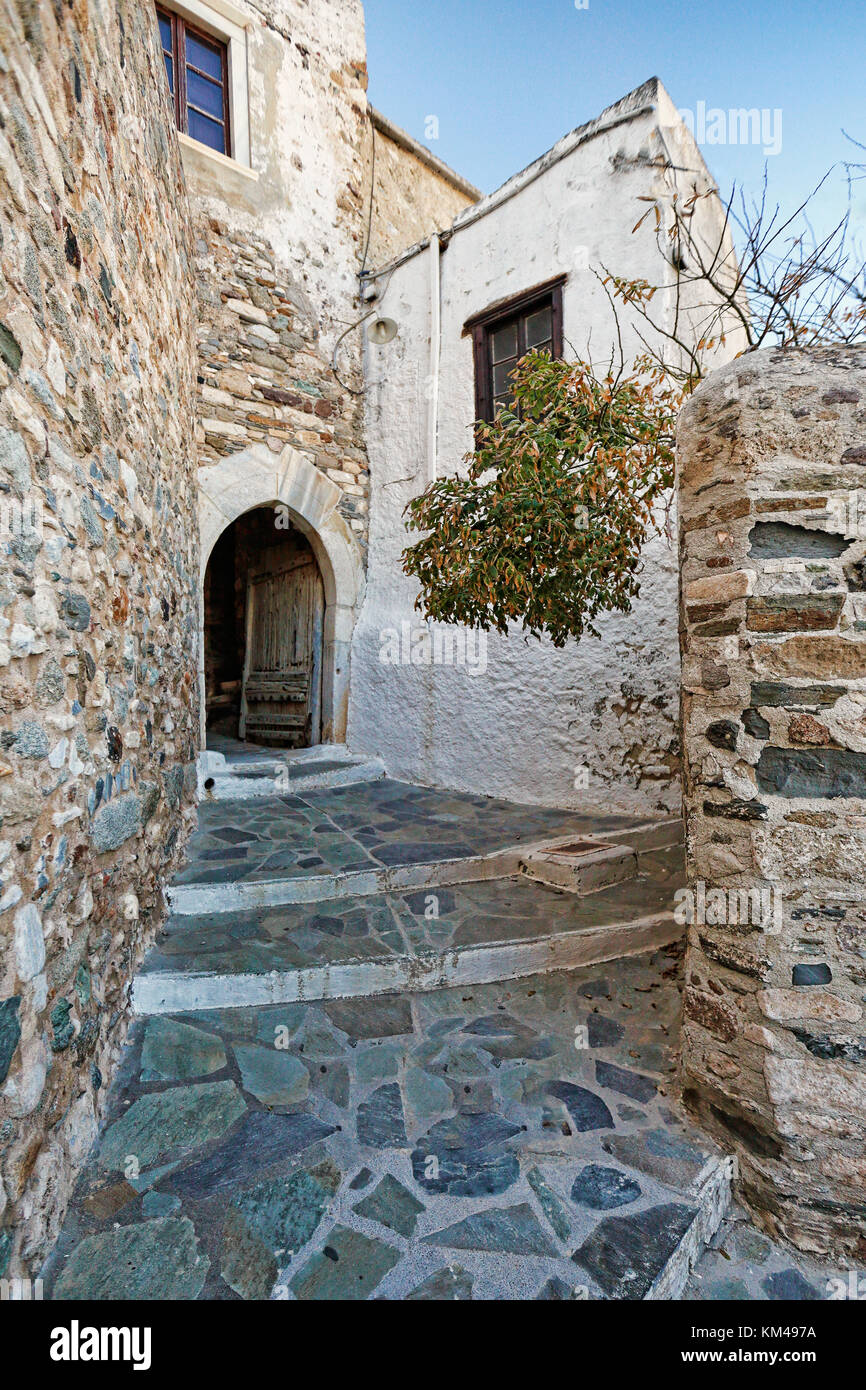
224,161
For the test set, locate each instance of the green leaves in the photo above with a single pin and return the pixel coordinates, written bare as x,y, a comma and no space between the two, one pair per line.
548,525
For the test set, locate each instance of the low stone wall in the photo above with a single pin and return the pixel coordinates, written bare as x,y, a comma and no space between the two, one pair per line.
772,463
100,563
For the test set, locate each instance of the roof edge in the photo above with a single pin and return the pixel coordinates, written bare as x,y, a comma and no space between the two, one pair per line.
423,155
640,102
651,98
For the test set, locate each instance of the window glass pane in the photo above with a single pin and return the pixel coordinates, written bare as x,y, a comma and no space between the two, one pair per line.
169,68
205,56
502,377
538,327
165,31
207,131
503,342
207,96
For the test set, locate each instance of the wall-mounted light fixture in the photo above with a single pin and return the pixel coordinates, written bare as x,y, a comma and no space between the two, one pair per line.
382,331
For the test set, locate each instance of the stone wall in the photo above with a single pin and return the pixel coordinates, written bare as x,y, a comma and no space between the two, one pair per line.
279,245
278,248
264,370
414,193
773,630
97,592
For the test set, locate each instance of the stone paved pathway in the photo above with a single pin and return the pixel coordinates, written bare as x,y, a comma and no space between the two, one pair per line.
518,1140
511,1140
381,886
741,1263
372,825
379,926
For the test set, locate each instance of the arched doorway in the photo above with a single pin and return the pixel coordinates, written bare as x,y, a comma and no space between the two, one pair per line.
291,489
264,612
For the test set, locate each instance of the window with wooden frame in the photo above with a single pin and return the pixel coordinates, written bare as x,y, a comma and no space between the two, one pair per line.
505,333
198,79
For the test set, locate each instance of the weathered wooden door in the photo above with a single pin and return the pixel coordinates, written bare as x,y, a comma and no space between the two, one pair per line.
281,696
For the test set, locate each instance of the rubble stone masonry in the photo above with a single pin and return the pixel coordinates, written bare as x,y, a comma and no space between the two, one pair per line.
414,194
278,249
263,372
772,461
98,697
155,316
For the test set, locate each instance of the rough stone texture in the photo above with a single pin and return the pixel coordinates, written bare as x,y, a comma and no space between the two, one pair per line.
174,1051
772,1039
277,257
624,1253
154,1261
415,194
267,379
742,1265
117,290
268,1219
509,1230
97,593
487,1194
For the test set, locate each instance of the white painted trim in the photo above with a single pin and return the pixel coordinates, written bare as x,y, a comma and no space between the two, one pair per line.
161,992
256,477
264,779
226,22
224,8
199,899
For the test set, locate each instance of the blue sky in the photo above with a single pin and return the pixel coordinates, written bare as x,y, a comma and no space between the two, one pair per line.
507,78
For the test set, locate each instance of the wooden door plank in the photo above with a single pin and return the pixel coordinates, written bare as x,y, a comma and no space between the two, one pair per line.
281,690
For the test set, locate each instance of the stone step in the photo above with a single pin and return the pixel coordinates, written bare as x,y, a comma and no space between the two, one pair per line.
597,865
411,938
712,1202
346,892
311,844
241,777
283,891
371,826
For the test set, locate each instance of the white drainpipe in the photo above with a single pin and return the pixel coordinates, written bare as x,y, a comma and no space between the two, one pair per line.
435,345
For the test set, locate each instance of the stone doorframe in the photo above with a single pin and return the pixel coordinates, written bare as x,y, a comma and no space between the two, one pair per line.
257,477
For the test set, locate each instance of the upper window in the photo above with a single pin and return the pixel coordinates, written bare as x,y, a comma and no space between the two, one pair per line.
504,334
197,68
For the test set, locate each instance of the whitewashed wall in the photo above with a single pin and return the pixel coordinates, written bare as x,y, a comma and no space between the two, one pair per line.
535,721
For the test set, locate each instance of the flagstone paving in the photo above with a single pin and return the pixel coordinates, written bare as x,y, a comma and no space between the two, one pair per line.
513,1140
743,1264
463,1143
422,923
371,825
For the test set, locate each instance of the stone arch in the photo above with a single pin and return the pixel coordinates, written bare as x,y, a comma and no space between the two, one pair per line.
256,477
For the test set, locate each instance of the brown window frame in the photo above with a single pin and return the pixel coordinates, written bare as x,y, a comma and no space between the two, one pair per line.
499,315
179,30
